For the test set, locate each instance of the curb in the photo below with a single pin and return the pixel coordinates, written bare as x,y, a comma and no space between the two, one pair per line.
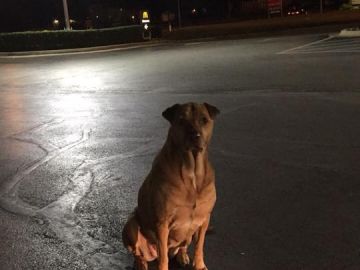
86,50
350,32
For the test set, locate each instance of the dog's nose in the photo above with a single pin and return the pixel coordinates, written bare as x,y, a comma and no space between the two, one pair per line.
195,134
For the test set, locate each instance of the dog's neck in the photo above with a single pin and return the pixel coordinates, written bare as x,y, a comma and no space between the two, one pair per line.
191,164
194,167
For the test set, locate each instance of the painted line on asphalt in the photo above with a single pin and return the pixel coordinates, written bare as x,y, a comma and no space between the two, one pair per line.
288,51
332,44
328,48
195,43
343,40
331,51
80,53
268,39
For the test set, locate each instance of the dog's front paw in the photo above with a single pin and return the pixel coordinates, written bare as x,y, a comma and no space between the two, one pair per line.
183,259
199,266
203,268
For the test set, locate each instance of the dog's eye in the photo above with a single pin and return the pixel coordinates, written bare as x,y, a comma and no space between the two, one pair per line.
204,120
181,120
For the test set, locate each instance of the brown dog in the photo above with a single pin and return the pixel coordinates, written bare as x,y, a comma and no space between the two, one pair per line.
177,197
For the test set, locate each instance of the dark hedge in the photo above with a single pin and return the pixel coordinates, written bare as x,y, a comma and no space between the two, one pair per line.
52,40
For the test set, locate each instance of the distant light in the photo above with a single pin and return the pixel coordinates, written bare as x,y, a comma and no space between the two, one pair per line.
145,15
145,18
297,12
121,10
146,26
133,17
56,21
97,17
193,11
72,21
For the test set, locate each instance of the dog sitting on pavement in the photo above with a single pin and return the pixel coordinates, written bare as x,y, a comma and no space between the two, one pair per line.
177,197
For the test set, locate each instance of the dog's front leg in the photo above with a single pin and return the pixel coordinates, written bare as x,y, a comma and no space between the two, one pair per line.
163,236
199,246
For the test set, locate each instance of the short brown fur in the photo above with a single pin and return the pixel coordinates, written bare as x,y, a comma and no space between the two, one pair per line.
177,197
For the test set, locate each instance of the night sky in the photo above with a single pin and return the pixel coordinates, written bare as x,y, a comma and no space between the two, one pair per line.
21,15
18,15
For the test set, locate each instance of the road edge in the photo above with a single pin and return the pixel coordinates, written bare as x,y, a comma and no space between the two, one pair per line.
86,50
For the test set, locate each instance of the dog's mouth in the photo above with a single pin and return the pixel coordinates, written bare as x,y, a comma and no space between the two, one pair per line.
197,149
197,146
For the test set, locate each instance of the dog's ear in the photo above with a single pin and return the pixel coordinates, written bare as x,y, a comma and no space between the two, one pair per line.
169,113
213,111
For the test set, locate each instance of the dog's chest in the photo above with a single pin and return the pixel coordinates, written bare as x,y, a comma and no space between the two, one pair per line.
191,177
189,217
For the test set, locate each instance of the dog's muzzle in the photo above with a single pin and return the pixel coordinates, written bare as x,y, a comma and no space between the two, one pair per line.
196,142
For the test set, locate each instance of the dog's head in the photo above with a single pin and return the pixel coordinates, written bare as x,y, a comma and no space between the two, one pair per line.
191,125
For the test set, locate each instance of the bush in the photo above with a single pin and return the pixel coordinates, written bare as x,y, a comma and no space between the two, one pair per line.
52,40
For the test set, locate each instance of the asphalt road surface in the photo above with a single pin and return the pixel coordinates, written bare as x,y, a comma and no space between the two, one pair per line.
78,134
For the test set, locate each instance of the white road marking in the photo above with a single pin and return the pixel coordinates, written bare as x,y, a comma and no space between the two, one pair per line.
305,45
268,39
194,43
335,51
327,45
331,45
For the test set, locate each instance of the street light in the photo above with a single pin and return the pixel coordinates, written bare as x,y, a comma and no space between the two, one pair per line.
179,13
66,14
321,7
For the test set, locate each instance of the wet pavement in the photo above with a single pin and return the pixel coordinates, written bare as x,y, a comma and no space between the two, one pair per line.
78,134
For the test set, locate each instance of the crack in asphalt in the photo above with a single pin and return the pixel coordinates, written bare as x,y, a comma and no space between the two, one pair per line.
64,222
10,188
60,213
43,125
61,216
